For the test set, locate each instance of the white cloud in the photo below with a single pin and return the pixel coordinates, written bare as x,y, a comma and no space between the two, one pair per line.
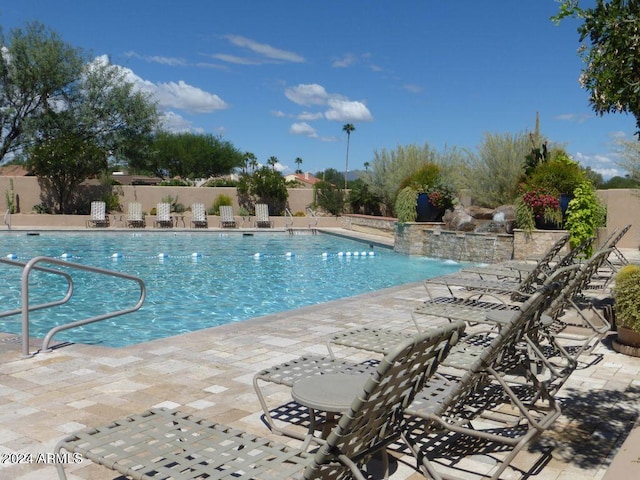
409,87
307,94
265,51
573,117
303,128
235,59
171,61
340,108
181,95
618,135
188,98
348,111
346,61
278,113
310,116
174,122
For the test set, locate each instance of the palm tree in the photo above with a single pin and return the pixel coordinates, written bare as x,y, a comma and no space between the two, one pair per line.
347,127
298,163
248,159
366,166
272,161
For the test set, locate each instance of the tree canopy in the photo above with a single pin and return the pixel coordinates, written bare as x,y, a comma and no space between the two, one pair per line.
611,54
188,155
67,115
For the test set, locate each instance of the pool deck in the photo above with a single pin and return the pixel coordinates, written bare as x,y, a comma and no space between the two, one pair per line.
210,372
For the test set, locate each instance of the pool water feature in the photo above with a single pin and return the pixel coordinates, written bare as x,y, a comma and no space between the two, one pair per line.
195,280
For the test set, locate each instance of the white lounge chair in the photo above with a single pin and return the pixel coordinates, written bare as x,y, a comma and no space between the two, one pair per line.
199,216
262,216
135,218
163,216
99,217
227,220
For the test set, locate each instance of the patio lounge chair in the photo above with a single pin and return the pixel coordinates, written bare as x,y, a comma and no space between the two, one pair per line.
163,216
262,216
486,409
168,444
573,324
99,217
227,220
135,218
199,216
515,269
517,289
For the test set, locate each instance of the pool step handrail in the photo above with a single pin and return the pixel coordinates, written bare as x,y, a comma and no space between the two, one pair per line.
288,219
314,216
32,265
7,219
33,308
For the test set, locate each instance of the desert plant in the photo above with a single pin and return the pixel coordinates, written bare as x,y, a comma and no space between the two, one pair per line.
560,174
220,200
584,215
10,196
405,205
626,295
492,175
329,197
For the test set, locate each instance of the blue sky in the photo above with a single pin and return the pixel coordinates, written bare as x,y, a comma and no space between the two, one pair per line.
281,78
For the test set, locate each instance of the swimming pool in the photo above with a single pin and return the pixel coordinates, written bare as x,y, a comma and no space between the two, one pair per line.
195,280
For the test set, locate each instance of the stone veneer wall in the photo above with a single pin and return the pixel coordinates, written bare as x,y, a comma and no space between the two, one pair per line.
384,226
429,240
536,243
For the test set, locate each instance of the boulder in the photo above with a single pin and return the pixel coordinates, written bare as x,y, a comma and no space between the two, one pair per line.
480,219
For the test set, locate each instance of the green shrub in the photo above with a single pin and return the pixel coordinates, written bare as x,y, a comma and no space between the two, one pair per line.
405,205
426,176
561,175
584,215
220,200
626,295
329,197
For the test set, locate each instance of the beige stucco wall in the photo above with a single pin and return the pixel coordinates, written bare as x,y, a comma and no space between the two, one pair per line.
27,191
623,205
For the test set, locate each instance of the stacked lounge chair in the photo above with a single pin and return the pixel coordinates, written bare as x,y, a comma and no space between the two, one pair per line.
168,444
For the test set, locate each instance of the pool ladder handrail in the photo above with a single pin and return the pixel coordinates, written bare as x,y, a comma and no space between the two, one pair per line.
25,309
289,219
314,215
7,219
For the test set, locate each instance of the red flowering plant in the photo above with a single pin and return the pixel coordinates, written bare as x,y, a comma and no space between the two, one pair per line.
537,204
440,196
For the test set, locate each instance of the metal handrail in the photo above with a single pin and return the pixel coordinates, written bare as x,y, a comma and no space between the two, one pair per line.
31,265
41,306
315,216
7,219
288,213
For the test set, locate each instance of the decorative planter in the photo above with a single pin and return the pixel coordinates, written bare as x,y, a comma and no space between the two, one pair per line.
542,224
563,202
628,342
426,212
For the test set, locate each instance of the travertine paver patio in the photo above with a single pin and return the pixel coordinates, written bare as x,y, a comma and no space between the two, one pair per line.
210,372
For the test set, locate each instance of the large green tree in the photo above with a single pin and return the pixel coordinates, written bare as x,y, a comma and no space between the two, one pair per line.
189,155
67,115
36,70
610,49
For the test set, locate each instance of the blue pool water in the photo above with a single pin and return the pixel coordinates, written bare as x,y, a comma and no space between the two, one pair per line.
195,280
